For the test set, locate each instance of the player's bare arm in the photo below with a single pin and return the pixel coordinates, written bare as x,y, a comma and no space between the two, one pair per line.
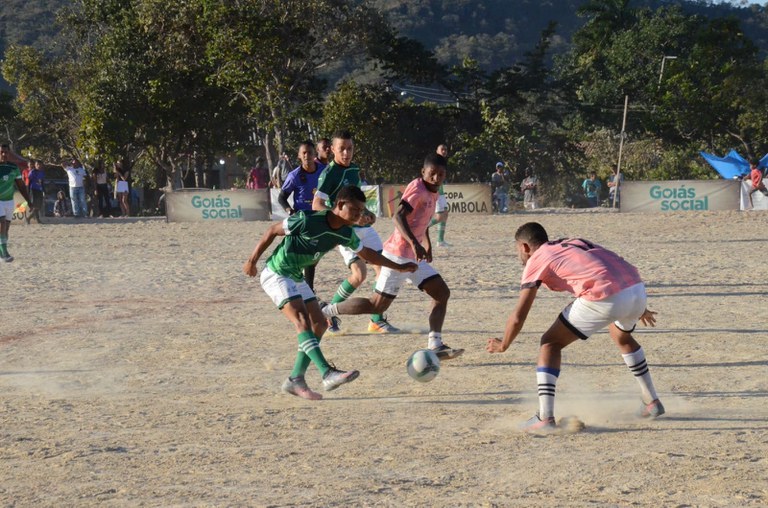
515,321
275,230
367,218
375,258
401,223
318,203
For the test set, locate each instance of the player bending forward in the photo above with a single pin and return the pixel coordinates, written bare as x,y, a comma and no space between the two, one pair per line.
410,242
609,292
309,235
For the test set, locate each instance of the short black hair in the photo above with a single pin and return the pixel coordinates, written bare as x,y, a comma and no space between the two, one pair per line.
324,140
351,193
435,159
532,233
307,142
342,134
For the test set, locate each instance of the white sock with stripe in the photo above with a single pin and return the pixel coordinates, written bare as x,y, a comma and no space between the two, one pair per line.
639,368
546,378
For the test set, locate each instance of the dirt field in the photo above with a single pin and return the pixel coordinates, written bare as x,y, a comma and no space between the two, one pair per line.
140,367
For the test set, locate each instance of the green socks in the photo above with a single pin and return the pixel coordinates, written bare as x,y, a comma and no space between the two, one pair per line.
441,231
3,245
309,351
345,291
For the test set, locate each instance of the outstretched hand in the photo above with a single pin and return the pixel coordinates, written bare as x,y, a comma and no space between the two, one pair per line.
648,318
495,346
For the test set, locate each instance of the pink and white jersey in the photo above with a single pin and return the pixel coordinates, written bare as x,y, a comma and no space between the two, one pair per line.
422,201
582,268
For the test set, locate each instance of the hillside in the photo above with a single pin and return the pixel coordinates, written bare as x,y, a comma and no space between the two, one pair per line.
494,32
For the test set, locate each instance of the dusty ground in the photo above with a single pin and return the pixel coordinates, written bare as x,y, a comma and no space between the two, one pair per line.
139,367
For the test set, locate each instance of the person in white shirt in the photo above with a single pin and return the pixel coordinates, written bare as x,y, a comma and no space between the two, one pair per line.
77,175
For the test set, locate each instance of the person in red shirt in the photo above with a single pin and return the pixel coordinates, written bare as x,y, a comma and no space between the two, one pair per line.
609,293
756,176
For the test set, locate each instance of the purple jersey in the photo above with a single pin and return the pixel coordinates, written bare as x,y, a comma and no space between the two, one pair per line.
303,186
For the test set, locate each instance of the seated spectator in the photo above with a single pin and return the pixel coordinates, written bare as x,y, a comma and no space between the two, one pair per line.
61,207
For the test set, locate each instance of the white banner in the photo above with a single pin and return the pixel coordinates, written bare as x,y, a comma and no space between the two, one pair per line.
202,205
680,196
752,200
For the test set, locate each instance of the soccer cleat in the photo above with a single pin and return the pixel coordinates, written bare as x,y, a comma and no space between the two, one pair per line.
382,326
7,258
298,387
652,410
536,424
334,324
446,352
335,378
443,244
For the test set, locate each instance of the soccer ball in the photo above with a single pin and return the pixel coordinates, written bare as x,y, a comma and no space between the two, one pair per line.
423,365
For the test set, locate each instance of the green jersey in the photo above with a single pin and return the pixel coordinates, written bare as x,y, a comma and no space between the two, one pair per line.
9,173
441,190
334,177
307,238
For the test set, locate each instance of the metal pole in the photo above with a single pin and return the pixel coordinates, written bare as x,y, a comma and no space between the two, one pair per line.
617,178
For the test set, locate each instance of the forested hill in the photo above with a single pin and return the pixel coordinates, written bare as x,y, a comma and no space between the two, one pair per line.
493,32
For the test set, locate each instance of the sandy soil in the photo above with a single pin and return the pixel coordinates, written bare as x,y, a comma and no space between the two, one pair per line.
139,367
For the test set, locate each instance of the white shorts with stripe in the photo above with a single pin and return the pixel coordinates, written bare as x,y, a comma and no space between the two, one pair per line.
585,317
442,204
390,281
6,209
282,289
368,238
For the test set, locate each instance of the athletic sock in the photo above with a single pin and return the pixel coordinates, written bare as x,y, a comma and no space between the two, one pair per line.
377,317
310,346
3,245
639,368
435,340
433,222
345,291
441,232
330,310
546,379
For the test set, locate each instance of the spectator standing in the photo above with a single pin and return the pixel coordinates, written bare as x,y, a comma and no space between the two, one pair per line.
36,189
756,176
102,190
122,190
500,189
529,186
591,188
77,175
258,176
614,188
280,173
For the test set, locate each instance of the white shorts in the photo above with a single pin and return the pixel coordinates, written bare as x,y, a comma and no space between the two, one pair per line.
368,238
282,289
623,309
390,281
6,209
442,204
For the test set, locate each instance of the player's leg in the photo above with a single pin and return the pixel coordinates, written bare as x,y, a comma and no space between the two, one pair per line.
5,226
634,357
432,283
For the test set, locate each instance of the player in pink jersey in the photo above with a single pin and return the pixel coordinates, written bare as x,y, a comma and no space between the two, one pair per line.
410,241
609,292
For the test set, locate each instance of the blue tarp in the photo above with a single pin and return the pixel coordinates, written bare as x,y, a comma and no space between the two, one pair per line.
732,165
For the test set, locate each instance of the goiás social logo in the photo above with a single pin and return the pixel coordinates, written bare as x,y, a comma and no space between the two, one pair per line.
678,198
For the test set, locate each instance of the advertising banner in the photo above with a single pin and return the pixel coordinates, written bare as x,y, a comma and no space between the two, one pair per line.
462,198
680,196
371,203
203,205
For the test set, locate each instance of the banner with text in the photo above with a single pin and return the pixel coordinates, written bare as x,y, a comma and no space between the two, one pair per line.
21,208
204,205
462,198
680,196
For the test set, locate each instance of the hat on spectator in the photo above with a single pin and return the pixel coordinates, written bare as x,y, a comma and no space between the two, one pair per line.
499,164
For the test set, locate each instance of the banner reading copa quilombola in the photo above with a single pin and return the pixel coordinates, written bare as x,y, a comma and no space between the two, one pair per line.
202,205
679,196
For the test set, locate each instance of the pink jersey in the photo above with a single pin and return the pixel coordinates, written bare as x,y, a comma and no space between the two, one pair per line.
582,268
422,201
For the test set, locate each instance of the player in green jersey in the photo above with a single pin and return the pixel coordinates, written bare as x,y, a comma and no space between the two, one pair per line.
10,180
340,172
309,235
441,208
